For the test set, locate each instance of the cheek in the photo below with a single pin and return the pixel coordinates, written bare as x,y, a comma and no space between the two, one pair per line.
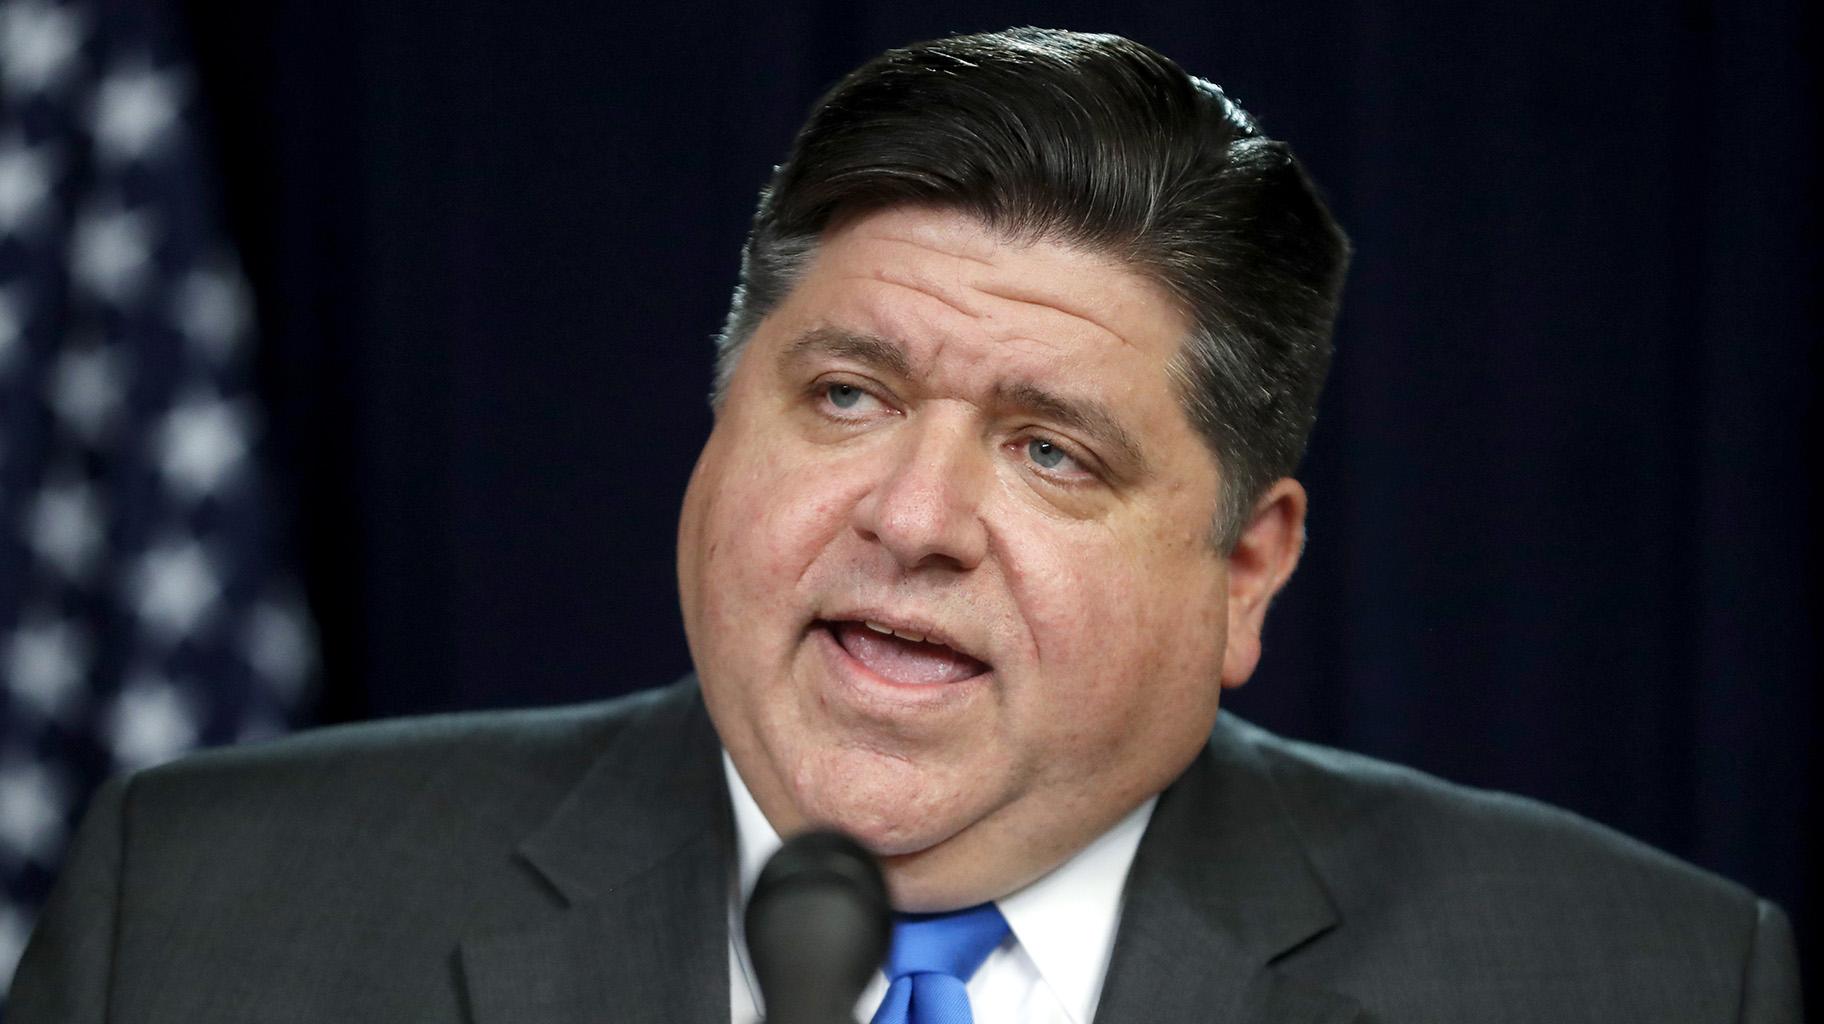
1127,642
772,514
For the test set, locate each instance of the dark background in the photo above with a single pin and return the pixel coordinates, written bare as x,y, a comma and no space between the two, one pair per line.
1562,533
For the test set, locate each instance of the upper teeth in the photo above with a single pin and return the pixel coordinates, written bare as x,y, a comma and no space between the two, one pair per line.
902,634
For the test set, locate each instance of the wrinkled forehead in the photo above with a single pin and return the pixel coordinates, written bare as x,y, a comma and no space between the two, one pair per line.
930,277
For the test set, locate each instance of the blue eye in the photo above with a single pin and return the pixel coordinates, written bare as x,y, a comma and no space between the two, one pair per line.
1045,454
844,396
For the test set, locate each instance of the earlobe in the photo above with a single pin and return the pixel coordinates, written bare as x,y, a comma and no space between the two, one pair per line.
1260,564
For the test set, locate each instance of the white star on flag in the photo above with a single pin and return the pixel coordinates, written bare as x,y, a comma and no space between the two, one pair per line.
200,443
213,310
134,108
110,252
86,389
31,812
45,664
38,42
65,528
150,723
25,186
281,646
174,588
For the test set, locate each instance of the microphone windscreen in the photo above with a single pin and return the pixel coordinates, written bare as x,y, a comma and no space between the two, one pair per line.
817,927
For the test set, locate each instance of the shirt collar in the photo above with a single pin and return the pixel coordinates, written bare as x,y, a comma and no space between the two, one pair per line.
755,840
1065,921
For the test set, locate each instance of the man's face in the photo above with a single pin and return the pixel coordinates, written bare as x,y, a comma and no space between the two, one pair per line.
947,436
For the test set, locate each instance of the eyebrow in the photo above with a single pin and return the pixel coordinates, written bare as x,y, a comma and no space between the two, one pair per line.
1083,415
863,348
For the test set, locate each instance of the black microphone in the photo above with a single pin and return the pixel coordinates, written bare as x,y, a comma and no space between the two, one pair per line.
817,925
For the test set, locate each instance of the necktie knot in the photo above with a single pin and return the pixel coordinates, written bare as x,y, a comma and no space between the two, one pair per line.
933,956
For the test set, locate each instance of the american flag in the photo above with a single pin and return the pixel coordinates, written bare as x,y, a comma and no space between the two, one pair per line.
144,607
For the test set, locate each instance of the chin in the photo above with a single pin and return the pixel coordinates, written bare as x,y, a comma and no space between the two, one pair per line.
912,891
934,881
885,803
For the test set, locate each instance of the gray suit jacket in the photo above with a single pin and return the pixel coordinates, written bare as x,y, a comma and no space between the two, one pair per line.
574,866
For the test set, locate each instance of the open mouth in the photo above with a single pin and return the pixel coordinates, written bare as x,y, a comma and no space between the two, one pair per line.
897,657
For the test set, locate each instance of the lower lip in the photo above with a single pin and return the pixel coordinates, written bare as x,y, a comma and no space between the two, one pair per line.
876,690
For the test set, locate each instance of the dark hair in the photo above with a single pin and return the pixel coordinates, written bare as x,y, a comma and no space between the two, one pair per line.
1096,141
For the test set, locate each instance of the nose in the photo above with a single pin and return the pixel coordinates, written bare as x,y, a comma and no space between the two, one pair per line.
925,507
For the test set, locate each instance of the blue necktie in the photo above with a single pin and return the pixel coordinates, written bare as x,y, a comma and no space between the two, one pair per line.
932,958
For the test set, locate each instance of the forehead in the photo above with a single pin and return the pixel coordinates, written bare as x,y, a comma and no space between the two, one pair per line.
959,295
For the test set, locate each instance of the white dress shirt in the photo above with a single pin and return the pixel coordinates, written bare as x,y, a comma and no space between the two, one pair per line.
1048,970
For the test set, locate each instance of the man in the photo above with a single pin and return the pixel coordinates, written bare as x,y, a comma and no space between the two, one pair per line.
1029,339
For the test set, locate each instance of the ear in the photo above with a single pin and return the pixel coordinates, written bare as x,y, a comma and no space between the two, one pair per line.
1262,561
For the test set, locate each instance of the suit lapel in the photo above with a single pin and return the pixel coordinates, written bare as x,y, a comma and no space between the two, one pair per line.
1220,891
639,853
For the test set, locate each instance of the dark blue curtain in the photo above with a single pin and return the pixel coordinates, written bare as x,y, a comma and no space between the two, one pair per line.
1562,536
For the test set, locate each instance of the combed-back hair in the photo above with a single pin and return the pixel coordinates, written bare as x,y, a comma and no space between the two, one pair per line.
1104,144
